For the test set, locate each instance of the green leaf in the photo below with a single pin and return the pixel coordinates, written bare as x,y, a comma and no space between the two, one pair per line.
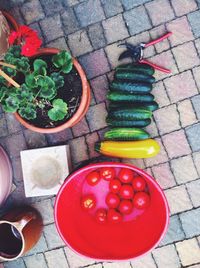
11,104
28,112
63,61
15,51
40,67
2,81
22,65
3,91
58,79
31,81
9,71
46,87
59,110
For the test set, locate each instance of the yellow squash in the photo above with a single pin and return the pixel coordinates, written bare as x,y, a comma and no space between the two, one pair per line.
129,149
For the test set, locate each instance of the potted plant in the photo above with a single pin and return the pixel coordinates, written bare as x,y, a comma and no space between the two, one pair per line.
46,89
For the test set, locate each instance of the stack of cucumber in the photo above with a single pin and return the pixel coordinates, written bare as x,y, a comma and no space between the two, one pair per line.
130,110
131,103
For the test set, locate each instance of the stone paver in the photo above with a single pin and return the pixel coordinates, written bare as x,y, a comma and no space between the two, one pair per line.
186,112
79,43
91,7
190,222
184,169
180,86
178,199
176,144
182,7
137,20
116,22
167,119
188,251
92,31
193,133
192,59
181,31
162,259
193,189
164,176
160,11
56,258
174,233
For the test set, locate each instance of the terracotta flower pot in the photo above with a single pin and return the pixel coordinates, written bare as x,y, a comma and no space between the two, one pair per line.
11,21
5,176
83,107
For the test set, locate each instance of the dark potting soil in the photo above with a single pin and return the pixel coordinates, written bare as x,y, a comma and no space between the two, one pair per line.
71,93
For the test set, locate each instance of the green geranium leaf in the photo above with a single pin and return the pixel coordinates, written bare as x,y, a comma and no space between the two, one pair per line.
40,67
59,110
3,91
46,87
15,51
31,80
2,81
9,71
28,112
11,104
58,80
22,65
63,61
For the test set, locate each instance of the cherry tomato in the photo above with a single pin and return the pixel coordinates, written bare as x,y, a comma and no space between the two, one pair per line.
114,216
93,178
112,200
126,192
138,184
107,173
88,202
101,215
141,200
126,175
115,186
125,207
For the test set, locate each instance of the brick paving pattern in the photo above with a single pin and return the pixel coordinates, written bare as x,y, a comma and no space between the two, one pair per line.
88,29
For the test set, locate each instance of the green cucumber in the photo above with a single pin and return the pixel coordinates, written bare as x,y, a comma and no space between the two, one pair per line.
116,96
131,87
151,106
130,114
124,123
134,76
143,68
126,134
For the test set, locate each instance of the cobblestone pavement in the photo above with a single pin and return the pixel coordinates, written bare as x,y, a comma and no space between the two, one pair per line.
91,30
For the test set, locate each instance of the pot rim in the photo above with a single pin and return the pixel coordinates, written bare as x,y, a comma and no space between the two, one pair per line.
10,19
82,109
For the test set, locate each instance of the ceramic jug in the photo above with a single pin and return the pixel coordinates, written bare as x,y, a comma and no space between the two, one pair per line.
20,230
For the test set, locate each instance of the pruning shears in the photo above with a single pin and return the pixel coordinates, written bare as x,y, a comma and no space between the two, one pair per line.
137,52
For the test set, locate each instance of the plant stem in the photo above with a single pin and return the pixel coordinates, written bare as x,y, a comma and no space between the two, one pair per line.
8,65
9,79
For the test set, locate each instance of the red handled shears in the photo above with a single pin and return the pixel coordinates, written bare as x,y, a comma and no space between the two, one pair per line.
137,52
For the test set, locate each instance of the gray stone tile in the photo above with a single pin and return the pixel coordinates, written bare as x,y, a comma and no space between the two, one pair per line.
70,23
97,116
59,43
32,11
56,258
51,7
174,233
111,7
96,36
190,222
51,28
137,20
34,139
95,63
3,127
40,247
194,190
194,19
52,237
89,12
46,210
15,144
193,134
196,104
35,261
128,4
15,264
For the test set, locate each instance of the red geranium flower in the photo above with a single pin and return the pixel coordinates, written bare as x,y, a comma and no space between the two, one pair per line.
30,41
